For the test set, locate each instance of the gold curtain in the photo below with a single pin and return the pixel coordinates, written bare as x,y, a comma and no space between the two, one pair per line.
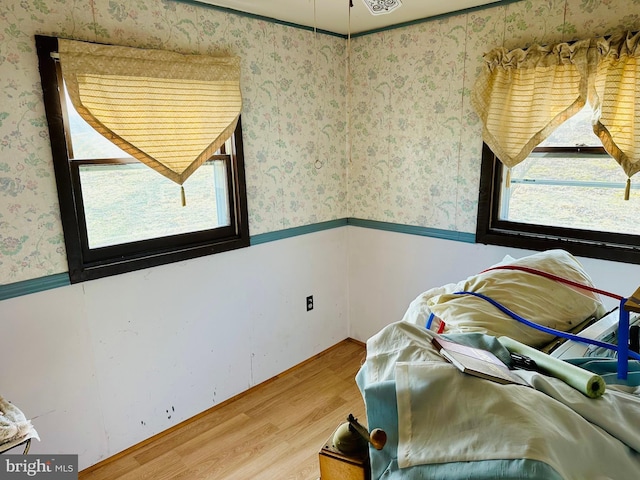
616,98
168,110
521,95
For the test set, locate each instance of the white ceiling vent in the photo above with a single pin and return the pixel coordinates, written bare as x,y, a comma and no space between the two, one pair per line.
380,7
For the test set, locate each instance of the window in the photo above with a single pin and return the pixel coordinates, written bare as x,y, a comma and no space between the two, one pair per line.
568,193
118,214
556,172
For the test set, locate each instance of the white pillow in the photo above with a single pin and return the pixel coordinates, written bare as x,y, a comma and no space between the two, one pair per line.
533,297
419,311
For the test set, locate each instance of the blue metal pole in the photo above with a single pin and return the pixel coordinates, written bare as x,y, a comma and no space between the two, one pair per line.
623,341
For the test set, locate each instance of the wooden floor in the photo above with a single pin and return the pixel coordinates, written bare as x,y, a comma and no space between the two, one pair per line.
274,431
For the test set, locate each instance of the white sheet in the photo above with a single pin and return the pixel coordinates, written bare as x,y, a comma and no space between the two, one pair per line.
14,427
445,415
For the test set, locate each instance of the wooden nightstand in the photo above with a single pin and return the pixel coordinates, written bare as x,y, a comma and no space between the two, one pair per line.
335,465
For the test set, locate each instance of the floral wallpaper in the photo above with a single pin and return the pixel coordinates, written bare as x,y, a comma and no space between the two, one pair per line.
294,114
416,141
384,132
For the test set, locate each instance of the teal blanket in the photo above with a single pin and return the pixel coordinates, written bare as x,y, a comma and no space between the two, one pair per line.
408,342
380,400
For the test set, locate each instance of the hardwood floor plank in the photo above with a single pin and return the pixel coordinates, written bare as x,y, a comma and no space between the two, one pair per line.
115,469
194,439
164,467
274,431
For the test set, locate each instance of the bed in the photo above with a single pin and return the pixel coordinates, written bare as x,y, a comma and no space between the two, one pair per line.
443,424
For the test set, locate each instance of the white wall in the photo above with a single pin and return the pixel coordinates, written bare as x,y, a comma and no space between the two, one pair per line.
388,270
103,365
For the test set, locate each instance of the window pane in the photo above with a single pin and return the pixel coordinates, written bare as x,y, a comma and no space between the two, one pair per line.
130,202
539,194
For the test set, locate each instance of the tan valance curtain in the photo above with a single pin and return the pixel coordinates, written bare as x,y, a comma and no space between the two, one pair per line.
521,95
616,98
168,110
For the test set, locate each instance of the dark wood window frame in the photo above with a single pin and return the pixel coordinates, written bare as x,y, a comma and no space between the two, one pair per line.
85,263
586,243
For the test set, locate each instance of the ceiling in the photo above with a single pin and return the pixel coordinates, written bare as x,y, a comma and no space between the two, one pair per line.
333,15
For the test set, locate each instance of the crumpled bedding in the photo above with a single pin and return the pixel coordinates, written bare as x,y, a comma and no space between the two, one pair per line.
14,426
536,298
445,424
